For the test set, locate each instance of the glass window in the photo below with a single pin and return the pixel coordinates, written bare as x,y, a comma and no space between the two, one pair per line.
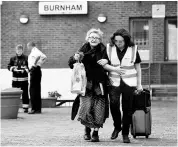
141,34
171,41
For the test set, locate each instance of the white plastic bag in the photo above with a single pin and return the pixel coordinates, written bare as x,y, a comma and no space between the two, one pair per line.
78,79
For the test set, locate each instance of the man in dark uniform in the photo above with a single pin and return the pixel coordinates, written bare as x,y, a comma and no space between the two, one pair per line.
19,66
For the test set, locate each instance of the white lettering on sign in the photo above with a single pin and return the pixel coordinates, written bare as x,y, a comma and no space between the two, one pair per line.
67,7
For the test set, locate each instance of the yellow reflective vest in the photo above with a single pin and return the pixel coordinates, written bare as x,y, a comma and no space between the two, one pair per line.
130,76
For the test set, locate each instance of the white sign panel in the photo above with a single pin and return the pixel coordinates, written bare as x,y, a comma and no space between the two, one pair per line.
158,11
144,55
63,7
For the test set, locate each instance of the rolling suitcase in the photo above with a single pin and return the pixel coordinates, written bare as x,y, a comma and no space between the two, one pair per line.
141,118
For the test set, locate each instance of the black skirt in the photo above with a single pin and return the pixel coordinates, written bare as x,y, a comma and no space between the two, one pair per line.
92,111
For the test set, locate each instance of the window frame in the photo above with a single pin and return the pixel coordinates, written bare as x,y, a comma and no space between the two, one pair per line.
166,51
149,19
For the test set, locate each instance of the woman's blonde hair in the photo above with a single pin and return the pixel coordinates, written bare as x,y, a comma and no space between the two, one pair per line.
97,31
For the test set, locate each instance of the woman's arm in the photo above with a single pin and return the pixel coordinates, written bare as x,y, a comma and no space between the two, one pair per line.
139,74
111,68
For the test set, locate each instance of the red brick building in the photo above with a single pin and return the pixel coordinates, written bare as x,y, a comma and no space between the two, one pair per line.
152,24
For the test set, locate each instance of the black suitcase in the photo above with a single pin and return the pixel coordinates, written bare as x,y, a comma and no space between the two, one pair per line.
141,118
142,100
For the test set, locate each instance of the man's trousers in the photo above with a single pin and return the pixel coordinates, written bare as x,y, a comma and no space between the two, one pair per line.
35,88
23,85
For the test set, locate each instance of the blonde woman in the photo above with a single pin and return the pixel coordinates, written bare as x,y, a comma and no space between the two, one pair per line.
94,105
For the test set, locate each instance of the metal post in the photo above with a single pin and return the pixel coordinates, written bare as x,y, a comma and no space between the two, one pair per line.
0,31
149,74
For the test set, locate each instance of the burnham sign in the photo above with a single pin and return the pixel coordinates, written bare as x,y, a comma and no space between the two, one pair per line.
63,7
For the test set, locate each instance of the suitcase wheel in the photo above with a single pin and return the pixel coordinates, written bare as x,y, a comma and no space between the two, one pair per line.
146,136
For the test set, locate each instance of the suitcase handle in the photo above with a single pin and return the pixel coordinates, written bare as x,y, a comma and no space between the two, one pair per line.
145,107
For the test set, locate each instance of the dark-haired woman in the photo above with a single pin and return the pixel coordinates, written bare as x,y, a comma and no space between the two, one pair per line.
94,105
125,75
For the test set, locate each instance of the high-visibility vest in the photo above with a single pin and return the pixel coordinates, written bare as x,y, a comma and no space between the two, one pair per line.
127,63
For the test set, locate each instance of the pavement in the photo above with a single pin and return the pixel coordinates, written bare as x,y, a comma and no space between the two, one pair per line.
55,128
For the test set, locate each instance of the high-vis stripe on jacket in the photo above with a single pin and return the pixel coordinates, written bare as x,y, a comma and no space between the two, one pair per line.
130,76
19,79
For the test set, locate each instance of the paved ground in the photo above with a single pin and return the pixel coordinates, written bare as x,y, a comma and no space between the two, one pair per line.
54,128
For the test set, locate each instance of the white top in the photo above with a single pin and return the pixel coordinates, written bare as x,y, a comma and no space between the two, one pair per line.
35,53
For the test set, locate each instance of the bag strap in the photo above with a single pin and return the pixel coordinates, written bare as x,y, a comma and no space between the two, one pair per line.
134,50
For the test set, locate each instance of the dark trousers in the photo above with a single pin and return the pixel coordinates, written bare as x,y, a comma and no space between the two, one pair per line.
127,100
35,88
23,85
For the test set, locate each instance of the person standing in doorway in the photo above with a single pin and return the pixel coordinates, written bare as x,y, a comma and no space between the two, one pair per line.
35,60
125,76
19,66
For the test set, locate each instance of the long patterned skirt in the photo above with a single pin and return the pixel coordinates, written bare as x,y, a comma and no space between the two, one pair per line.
92,111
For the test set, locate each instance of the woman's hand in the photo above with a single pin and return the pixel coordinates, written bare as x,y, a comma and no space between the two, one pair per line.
119,70
102,62
77,57
139,88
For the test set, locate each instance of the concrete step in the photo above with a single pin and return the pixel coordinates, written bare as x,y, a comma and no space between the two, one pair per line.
163,92
164,98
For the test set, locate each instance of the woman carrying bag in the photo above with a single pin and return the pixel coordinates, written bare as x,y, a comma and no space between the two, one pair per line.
94,106
125,75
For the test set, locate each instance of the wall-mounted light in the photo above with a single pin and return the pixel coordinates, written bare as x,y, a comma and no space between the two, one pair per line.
101,18
24,19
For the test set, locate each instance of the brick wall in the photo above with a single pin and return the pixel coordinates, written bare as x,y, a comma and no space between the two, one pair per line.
59,36
169,73
158,39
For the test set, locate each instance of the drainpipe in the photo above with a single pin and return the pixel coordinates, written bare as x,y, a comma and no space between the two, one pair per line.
0,31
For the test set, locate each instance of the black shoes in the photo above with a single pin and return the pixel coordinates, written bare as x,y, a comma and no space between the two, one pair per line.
115,133
95,137
33,112
25,110
87,135
126,139
38,111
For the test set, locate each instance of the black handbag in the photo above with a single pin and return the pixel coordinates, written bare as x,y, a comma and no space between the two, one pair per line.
75,107
142,100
